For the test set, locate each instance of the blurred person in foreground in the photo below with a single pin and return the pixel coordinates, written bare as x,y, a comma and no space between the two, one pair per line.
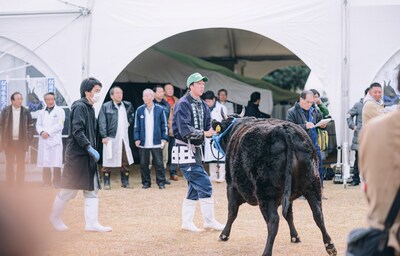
380,171
81,157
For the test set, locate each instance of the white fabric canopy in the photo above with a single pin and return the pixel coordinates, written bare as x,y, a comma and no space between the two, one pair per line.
65,42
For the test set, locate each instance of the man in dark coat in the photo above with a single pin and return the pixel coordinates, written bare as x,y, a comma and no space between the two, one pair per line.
303,114
80,170
16,130
253,105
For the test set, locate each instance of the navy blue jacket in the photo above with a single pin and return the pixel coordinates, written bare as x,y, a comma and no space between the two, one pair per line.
160,125
184,121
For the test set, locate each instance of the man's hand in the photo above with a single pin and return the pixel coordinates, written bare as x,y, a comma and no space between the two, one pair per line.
104,141
137,143
355,128
44,135
163,142
209,133
323,126
309,125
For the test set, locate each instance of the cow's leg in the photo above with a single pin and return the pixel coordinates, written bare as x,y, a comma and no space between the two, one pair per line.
235,199
270,213
316,207
294,236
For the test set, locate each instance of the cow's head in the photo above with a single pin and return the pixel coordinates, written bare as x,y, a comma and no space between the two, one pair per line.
223,130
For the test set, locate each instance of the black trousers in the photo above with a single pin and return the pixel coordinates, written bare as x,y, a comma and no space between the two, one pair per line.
157,162
356,173
15,154
56,176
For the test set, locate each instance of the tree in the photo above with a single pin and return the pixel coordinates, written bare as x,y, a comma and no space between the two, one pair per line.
290,78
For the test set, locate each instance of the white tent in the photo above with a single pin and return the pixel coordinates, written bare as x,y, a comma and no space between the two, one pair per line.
347,44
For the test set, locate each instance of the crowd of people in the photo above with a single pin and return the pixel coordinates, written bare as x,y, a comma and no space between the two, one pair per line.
173,134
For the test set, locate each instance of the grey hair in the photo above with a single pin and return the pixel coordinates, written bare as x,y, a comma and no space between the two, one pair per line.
148,91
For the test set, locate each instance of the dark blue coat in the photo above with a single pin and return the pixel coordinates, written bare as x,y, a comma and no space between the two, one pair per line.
160,125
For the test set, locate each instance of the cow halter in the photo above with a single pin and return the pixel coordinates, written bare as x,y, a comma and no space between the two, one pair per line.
217,139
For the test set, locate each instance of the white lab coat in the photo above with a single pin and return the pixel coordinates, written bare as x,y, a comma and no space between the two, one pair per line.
50,152
112,152
215,115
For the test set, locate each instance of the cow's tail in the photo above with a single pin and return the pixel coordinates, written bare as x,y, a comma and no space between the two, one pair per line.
288,172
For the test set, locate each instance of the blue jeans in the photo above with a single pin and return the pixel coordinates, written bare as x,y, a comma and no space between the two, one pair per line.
199,184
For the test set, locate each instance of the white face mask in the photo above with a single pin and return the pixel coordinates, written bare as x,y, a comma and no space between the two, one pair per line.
96,97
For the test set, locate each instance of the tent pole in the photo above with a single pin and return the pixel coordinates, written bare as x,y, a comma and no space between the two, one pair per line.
345,91
87,29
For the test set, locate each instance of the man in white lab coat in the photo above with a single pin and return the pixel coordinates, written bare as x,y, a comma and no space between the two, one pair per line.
49,125
115,118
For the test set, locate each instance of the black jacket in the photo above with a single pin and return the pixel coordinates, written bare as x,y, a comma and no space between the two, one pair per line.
26,128
252,110
108,118
296,115
80,168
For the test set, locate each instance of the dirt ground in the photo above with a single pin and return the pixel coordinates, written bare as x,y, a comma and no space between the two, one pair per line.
147,222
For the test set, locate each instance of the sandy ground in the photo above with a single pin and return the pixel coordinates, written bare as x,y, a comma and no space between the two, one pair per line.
147,222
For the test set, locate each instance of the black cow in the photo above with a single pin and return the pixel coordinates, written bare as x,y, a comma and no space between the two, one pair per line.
270,162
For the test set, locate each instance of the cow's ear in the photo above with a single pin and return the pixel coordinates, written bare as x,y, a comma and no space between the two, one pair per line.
215,124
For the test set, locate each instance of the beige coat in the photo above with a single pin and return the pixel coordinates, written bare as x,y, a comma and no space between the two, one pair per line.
371,109
380,167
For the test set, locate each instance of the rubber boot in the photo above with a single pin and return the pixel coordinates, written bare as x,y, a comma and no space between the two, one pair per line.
106,177
57,211
125,179
207,210
91,216
188,211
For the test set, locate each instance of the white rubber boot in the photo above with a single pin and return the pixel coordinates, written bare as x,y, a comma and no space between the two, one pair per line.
188,211
207,210
55,216
221,175
213,171
91,216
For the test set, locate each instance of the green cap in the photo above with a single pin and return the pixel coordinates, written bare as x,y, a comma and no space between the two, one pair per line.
195,77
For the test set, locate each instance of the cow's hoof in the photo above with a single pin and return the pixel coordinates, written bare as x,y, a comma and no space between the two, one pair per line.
295,240
331,250
223,238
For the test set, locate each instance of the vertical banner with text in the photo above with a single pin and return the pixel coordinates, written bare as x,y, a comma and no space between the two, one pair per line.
3,94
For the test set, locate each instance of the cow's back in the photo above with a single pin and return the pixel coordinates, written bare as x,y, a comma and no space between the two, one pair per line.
257,156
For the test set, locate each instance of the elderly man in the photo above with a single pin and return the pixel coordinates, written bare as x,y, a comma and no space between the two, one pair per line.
191,123
115,118
150,136
373,103
303,114
49,126
16,130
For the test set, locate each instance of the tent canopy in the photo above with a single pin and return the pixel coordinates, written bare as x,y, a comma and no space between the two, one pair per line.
345,43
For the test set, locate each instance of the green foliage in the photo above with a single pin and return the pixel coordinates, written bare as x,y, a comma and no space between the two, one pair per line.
289,78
